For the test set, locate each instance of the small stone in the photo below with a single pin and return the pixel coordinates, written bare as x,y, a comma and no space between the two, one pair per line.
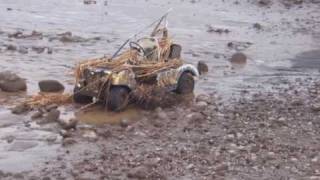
51,139
190,166
23,50
195,117
52,115
49,51
70,124
65,134
140,172
91,135
202,67
21,108
238,58
315,107
68,141
12,47
38,49
51,107
11,82
37,115
203,97
264,2
201,105
9,139
257,26
124,123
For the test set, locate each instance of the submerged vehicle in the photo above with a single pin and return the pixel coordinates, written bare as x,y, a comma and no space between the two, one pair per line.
154,60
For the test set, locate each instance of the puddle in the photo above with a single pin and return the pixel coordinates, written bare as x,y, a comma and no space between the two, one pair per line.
98,115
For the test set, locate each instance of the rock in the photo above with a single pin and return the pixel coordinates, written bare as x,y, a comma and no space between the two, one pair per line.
221,169
21,108
9,139
315,107
17,34
70,124
140,172
195,117
50,86
89,2
51,138
68,33
23,50
38,49
105,133
51,107
49,51
90,135
65,134
37,115
68,141
52,115
202,67
203,97
11,82
12,47
201,105
257,26
238,58
264,2
124,123
216,30
162,115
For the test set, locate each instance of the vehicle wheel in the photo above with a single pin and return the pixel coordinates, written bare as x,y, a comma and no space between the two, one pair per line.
185,84
79,98
117,98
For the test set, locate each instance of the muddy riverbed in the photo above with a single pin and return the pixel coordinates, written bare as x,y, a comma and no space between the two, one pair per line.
255,120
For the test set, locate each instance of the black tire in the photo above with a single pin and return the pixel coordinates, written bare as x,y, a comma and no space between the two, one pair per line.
118,98
185,84
80,98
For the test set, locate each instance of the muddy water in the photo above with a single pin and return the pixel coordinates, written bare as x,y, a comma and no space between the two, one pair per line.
286,35
99,115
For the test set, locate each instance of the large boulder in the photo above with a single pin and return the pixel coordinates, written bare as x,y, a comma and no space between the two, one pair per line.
11,82
50,86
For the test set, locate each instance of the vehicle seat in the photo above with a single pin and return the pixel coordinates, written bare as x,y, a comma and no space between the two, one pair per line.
175,51
151,48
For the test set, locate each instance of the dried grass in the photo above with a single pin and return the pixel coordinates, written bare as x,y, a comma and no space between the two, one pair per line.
43,99
129,60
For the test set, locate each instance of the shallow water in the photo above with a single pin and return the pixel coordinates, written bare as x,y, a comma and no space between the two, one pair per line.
281,39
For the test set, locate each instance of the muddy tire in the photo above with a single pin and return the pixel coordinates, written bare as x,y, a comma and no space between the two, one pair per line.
185,84
117,98
79,98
